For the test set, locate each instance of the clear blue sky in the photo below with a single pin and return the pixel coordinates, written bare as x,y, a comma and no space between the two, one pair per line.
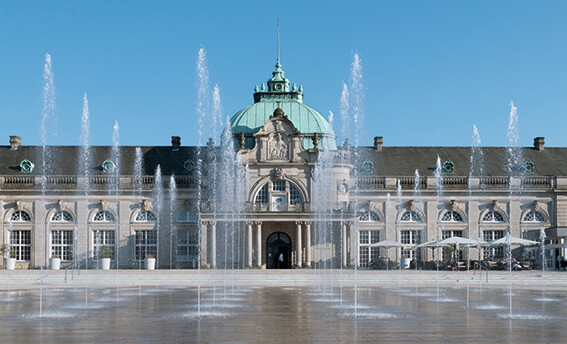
431,69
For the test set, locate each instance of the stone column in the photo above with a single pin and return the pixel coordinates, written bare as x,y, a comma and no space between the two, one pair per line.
473,226
432,230
514,213
308,244
298,256
353,243
203,229
344,244
39,238
213,244
259,244
125,238
83,243
249,244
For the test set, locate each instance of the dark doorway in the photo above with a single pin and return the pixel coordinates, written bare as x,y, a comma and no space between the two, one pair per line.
278,251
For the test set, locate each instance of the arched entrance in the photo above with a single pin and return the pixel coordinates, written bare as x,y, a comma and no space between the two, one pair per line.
277,244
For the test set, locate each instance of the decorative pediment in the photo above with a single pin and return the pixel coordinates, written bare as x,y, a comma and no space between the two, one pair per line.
278,123
278,140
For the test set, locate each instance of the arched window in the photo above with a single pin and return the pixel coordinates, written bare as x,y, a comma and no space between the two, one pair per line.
493,216
20,238
104,216
61,216
145,216
410,216
262,196
20,216
534,216
294,194
369,216
279,195
187,216
452,216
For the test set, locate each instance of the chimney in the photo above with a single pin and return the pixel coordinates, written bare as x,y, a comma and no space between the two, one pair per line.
175,143
15,142
538,143
378,141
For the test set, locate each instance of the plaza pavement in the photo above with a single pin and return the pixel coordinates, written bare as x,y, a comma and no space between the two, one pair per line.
31,279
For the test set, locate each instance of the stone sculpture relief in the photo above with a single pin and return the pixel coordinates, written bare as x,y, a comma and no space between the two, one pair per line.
278,147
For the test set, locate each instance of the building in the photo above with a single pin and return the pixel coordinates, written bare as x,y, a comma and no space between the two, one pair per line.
278,192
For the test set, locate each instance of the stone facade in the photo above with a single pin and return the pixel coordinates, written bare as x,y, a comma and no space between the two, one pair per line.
285,191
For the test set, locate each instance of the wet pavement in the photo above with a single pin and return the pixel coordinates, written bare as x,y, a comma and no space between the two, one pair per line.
321,313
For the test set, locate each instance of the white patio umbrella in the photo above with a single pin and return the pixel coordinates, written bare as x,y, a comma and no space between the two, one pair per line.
388,244
513,241
461,242
430,244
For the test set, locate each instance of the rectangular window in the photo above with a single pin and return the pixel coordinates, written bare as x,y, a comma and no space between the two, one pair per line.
410,238
447,253
104,238
367,253
493,252
187,245
20,245
363,237
146,244
369,237
62,245
374,236
450,234
363,257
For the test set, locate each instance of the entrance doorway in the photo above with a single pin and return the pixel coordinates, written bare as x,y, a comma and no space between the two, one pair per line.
278,245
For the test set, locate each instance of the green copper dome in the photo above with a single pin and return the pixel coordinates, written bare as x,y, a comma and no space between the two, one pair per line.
278,94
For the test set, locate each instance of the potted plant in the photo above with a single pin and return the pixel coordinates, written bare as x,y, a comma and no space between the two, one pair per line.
105,254
9,263
150,262
55,261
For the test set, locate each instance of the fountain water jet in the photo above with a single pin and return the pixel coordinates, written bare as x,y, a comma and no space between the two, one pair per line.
158,199
476,169
85,157
201,109
172,228
514,167
116,159
48,119
439,178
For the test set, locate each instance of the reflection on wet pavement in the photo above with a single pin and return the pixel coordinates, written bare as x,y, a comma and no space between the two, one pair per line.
281,315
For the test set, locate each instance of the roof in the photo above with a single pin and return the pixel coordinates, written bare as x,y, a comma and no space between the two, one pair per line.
403,161
390,161
278,94
66,160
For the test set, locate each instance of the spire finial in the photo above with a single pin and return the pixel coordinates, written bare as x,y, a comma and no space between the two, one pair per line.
278,25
